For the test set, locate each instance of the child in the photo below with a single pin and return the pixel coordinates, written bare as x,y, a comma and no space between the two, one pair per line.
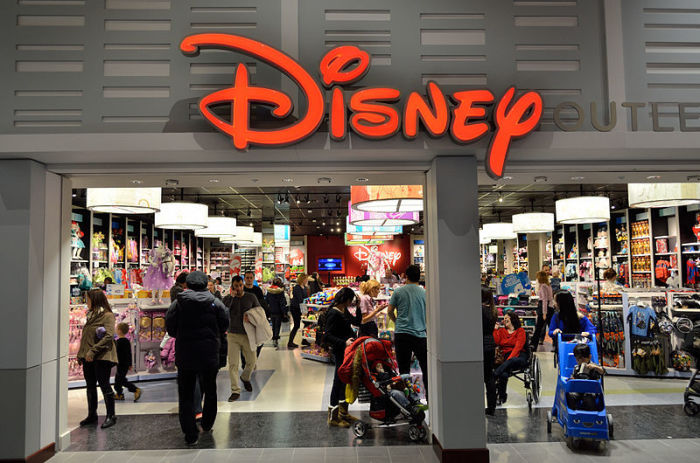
405,396
124,357
584,369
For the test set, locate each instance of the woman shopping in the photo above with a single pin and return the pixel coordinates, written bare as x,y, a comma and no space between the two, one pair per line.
568,319
510,338
338,335
489,315
277,303
545,308
369,308
97,355
299,293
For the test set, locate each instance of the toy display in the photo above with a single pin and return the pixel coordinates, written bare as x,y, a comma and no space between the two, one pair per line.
324,297
99,247
158,276
150,361
640,229
145,326
158,326
76,243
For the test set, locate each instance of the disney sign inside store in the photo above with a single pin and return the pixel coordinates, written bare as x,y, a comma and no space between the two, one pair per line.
370,112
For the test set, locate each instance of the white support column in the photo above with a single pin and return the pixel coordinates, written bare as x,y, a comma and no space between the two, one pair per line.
455,346
35,251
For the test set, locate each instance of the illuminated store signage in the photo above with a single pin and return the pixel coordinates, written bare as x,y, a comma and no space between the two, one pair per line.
372,113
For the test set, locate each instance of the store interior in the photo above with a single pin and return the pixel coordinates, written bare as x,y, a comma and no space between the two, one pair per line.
282,231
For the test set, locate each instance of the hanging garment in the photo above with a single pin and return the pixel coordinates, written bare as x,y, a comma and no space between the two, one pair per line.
640,319
692,271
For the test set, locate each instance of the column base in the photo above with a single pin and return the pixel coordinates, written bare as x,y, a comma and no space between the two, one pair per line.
40,456
459,455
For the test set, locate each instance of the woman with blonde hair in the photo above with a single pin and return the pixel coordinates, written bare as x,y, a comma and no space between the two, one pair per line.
545,308
369,308
299,293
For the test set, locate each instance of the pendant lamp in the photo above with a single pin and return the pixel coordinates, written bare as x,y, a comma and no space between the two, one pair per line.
583,209
123,200
363,218
387,198
242,235
663,194
483,239
372,230
533,222
182,216
217,227
499,231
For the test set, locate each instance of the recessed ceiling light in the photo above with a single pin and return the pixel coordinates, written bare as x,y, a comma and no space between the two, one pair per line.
310,211
653,177
507,177
577,178
287,179
172,182
74,195
362,179
137,182
214,180
324,180
251,224
540,179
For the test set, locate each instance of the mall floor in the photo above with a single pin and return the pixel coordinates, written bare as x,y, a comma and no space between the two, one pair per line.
290,397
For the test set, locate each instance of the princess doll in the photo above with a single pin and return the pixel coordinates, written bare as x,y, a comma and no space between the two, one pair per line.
158,276
76,243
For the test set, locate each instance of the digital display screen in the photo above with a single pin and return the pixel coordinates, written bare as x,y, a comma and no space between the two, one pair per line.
330,264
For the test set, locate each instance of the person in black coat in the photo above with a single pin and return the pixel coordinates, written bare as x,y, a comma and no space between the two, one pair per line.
489,316
315,283
198,321
338,335
277,308
299,293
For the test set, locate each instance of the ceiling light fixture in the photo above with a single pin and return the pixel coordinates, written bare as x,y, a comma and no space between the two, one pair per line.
583,209
533,222
124,200
642,195
182,216
499,231
387,198
217,227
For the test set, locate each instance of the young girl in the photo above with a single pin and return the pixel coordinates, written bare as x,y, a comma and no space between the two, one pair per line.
544,308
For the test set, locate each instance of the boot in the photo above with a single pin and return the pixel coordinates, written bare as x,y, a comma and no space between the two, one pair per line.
343,413
92,407
334,418
118,396
109,405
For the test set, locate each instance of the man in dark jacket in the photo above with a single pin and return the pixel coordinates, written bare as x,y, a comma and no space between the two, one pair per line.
249,287
198,322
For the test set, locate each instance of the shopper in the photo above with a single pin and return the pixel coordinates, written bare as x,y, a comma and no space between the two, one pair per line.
407,309
545,308
124,365
198,322
568,319
299,293
277,303
511,339
369,308
610,285
97,355
179,286
315,283
489,316
238,303
338,335
211,287
250,287
555,281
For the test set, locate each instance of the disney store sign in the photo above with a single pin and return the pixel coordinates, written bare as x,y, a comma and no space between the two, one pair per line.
371,112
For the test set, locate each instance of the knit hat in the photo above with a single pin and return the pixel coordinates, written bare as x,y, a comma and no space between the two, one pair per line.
197,281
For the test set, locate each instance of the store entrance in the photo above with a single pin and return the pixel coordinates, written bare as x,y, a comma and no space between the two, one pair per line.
626,271
300,224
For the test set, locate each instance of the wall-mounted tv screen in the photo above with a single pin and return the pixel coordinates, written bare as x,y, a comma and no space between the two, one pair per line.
330,264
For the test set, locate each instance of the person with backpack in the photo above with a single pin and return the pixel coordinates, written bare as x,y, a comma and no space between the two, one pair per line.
338,334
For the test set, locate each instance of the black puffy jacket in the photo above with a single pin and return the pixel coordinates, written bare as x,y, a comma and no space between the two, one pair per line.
198,321
276,301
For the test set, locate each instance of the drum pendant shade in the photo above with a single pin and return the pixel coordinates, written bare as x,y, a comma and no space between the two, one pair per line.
182,216
362,218
644,195
583,209
243,235
123,200
387,198
217,227
533,222
500,231
483,239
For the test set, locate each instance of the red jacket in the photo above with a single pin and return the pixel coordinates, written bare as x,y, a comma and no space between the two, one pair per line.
512,344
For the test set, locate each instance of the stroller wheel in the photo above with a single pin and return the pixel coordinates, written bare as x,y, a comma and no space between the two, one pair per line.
611,428
359,428
691,408
414,433
549,422
423,433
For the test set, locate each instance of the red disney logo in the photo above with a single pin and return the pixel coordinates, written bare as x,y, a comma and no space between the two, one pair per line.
372,114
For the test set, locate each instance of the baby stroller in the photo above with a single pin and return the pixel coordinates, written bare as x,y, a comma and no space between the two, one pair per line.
691,397
363,359
579,404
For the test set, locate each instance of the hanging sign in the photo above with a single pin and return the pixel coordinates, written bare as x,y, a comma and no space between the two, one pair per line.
515,283
370,112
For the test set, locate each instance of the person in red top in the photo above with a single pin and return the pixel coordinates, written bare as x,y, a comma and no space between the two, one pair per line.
511,339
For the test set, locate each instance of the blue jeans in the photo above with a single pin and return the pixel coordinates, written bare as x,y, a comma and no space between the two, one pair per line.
503,371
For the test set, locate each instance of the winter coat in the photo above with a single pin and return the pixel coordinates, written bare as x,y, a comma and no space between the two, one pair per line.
338,329
167,354
488,323
315,286
198,322
298,296
103,348
512,344
257,328
584,324
276,301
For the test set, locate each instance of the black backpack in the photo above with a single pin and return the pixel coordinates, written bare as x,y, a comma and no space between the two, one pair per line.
321,329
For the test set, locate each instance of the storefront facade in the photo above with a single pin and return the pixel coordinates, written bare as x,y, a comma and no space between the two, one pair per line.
99,93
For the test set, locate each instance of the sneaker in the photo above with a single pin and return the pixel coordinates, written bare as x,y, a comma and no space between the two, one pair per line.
234,396
118,396
247,385
137,394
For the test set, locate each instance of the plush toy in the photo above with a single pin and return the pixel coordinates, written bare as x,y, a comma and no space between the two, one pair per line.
84,279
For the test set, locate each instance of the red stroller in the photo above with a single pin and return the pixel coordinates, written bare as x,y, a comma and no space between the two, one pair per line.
369,368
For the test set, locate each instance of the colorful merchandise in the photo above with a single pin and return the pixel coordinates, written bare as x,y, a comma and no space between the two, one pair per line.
696,227
76,243
158,274
145,326
132,250
158,326
663,270
641,319
692,271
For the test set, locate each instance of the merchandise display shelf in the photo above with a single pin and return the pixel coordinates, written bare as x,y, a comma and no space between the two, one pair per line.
640,255
308,320
690,244
641,237
665,253
680,309
318,358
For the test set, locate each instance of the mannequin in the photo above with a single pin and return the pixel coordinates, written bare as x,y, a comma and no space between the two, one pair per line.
159,274
76,243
